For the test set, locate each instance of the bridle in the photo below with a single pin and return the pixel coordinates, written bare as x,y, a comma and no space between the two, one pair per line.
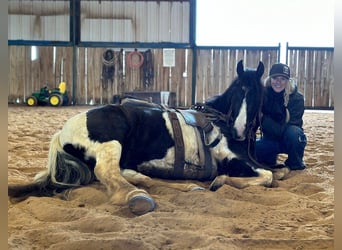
251,138
215,115
250,132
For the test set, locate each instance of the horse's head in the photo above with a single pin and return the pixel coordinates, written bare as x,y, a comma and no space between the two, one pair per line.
247,103
241,102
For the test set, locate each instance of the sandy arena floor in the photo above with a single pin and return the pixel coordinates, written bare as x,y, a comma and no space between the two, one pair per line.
299,214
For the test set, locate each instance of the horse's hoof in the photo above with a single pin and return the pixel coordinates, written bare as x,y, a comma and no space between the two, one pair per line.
141,204
274,184
214,186
194,187
197,188
218,182
281,173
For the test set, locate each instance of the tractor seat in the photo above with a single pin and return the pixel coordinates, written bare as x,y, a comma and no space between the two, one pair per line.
62,87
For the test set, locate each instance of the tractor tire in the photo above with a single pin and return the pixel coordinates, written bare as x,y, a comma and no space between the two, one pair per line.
55,100
31,101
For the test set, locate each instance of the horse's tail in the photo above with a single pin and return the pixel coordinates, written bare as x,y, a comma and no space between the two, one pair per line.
63,172
19,192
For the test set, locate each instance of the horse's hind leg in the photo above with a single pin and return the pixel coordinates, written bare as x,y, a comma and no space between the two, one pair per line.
140,179
107,170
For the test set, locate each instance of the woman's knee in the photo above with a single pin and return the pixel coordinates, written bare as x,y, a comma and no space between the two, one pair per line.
295,135
266,151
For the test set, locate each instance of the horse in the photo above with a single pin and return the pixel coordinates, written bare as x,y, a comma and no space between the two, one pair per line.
139,143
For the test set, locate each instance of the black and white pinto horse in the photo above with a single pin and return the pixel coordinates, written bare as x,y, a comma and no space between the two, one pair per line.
139,144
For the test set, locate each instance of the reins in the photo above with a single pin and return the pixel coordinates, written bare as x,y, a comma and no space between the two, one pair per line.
251,136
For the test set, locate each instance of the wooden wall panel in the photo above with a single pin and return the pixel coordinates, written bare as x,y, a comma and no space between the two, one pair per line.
216,69
313,71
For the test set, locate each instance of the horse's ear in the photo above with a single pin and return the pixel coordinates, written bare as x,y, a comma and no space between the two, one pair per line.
260,69
239,69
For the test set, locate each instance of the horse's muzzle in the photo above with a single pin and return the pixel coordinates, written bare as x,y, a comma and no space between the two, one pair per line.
238,136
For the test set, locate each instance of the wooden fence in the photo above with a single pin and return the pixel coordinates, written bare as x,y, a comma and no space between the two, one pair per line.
313,70
215,69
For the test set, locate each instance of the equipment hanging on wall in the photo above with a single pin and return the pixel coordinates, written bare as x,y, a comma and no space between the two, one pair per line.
135,59
148,70
108,68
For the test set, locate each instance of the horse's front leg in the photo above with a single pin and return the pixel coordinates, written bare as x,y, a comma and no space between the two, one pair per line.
221,180
137,178
107,171
264,178
280,172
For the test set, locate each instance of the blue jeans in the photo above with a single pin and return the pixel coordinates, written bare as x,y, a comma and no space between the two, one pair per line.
292,143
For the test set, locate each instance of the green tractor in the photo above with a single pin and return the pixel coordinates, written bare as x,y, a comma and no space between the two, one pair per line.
54,97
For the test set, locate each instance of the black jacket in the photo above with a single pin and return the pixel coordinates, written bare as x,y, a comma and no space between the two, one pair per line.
273,122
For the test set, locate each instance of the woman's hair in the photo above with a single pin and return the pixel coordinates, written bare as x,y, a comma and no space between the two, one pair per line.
289,88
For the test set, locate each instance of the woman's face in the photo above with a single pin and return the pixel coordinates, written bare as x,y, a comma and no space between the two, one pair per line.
278,83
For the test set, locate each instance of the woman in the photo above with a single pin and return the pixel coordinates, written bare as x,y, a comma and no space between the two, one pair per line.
282,120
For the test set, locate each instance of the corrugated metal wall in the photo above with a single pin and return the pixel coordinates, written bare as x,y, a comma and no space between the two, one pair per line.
129,21
38,20
101,21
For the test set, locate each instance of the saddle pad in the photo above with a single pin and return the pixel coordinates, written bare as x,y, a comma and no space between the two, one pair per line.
195,119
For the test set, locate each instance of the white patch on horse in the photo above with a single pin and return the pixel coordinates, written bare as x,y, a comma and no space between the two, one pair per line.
75,132
240,122
222,151
265,177
190,146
